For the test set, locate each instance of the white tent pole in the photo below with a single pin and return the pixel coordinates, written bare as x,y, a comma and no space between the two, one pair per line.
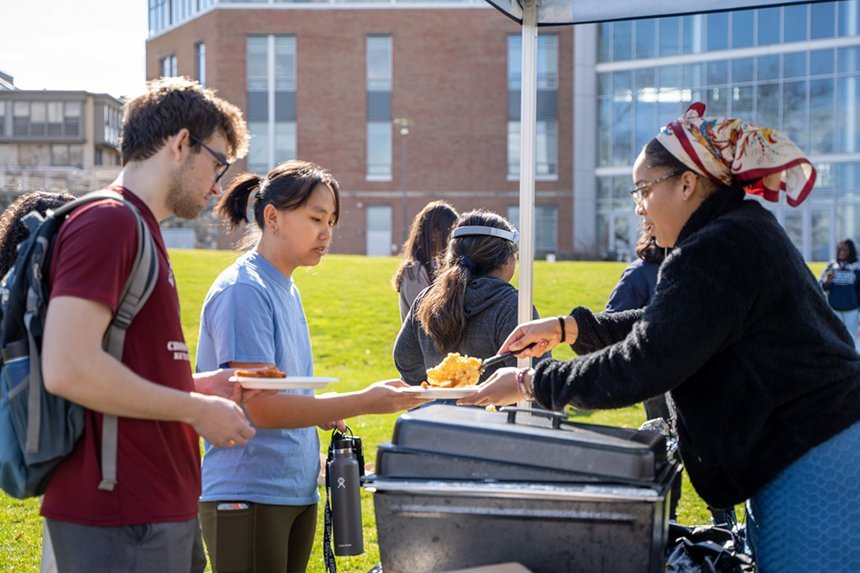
528,114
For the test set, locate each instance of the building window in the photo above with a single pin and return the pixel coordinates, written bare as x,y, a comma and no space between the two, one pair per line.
159,16
271,85
379,150
200,62
65,155
379,130
379,221
38,118
72,119
546,128
21,118
546,227
46,119
168,66
112,119
60,155
379,66
55,118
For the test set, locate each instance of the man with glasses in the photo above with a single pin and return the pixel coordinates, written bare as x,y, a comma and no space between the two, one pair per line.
176,141
224,165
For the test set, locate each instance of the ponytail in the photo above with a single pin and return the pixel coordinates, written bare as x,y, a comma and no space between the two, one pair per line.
441,312
233,205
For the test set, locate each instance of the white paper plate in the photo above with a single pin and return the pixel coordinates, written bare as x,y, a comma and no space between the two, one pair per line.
442,393
288,383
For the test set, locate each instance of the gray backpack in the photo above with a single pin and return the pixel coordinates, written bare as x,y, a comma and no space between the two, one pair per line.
39,429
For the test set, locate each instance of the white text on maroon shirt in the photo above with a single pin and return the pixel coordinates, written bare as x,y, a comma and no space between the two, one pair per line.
179,350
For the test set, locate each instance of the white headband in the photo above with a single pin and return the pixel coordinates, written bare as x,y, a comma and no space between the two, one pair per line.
511,236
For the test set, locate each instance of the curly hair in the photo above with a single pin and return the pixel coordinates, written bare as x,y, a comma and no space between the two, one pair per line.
852,250
12,229
171,104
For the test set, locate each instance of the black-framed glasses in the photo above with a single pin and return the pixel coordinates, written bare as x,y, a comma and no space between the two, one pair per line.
640,192
225,165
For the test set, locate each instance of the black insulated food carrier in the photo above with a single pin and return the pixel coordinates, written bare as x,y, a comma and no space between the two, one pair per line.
462,487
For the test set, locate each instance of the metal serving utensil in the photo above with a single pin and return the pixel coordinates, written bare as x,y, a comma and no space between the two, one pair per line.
501,357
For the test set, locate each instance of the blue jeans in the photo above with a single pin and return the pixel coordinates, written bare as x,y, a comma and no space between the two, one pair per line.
850,319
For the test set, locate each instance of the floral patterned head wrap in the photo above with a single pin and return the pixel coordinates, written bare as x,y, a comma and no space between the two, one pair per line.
726,150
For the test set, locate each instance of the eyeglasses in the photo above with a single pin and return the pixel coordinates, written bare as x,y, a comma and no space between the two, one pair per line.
225,165
641,192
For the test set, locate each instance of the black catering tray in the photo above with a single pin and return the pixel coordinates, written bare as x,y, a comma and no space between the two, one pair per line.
455,442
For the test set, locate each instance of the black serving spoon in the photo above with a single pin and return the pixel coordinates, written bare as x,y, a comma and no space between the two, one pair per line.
501,357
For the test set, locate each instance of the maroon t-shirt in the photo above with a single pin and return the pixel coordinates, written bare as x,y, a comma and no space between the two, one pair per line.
158,463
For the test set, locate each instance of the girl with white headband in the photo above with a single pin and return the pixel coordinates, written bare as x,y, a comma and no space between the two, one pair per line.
763,377
471,306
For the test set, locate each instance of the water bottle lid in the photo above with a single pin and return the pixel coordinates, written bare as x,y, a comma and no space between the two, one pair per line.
343,444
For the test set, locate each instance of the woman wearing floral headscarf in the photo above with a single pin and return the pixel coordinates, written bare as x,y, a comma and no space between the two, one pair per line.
764,377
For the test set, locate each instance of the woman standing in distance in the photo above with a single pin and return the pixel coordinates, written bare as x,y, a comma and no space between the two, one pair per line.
841,282
428,236
764,377
259,503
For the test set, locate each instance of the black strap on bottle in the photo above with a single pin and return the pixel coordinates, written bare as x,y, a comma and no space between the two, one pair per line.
328,554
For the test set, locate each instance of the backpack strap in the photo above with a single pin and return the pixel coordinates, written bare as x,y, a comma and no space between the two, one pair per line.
36,301
140,284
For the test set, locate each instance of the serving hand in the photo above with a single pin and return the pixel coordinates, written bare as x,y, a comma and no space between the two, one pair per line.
544,334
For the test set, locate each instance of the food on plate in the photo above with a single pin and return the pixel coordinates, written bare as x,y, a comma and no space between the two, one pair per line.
263,372
454,371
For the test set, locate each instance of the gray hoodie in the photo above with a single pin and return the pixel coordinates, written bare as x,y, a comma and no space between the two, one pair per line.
491,315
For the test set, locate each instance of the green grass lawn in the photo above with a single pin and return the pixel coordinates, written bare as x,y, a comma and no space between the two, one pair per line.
354,318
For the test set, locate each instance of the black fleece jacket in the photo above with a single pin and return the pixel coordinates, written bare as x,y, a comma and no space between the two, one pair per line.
758,366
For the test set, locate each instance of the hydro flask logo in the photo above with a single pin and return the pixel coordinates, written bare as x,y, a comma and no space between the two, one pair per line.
341,483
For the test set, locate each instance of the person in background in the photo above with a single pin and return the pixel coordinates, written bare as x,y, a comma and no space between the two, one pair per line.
428,236
841,281
636,285
259,503
12,232
634,290
764,377
177,141
471,306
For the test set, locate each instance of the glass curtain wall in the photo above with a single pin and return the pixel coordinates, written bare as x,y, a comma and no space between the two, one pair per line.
794,68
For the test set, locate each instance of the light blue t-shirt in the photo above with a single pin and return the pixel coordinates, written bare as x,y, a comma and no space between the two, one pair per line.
253,313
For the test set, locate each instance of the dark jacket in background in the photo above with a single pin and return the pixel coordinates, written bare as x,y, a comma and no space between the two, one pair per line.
843,292
759,368
635,287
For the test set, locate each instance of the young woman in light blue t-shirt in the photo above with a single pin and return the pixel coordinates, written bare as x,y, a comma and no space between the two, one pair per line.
259,503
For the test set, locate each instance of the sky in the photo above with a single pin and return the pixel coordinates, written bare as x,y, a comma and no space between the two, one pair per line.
97,46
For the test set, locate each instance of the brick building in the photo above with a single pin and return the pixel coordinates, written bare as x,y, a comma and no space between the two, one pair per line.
415,99
329,80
